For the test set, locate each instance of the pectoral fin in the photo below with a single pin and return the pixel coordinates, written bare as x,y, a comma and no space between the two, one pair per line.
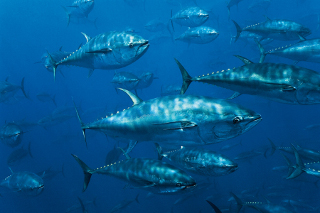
283,87
177,125
104,50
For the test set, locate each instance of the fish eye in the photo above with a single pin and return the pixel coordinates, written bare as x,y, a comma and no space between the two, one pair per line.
130,45
237,119
178,185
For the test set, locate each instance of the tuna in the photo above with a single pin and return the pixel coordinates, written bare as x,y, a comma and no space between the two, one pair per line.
305,50
155,26
125,80
277,82
112,50
18,154
231,4
277,29
26,183
8,90
177,120
11,134
79,9
45,97
199,35
146,79
149,174
170,89
124,204
190,17
199,161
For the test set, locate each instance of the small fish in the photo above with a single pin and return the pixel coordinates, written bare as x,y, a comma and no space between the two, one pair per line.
79,9
155,26
199,35
124,204
190,17
11,134
82,203
146,79
125,80
45,97
18,154
8,90
26,183
49,173
230,4
171,89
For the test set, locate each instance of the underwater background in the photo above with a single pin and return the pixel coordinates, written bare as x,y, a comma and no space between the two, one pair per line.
30,28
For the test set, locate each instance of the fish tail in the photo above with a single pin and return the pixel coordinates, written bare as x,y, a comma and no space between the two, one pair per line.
68,15
185,77
83,126
172,21
273,147
29,150
299,168
136,199
160,152
216,209
54,100
262,51
239,30
54,65
22,88
86,170
62,170
228,13
239,202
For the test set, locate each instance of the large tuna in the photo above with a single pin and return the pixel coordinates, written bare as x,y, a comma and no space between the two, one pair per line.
112,50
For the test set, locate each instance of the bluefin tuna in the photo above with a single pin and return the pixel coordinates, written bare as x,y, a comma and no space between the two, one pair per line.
112,50
11,134
305,50
18,154
155,26
79,9
199,161
177,120
170,89
146,79
125,80
232,3
26,183
278,29
261,207
45,97
50,173
124,204
149,174
190,17
8,90
82,203
277,82
199,35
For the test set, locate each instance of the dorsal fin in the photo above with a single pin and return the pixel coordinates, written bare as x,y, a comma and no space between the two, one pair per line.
267,18
7,78
60,49
244,60
125,154
135,99
11,170
301,38
87,37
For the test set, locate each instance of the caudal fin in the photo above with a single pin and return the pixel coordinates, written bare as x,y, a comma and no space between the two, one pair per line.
160,152
299,167
86,170
239,30
136,199
185,77
216,209
262,51
82,124
29,149
22,88
239,202
273,147
54,65
68,15
172,21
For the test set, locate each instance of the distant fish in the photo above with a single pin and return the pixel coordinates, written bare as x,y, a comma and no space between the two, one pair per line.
190,17
155,26
146,79
18,154
199,161
79,9
11,134
83,203
124,204
49,173
199,35
232,3
259,6
112,50
170,89
45,97
125,80
148,174
26,183
8,90
277,29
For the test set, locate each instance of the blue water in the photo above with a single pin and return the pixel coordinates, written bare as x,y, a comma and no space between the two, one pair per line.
29,28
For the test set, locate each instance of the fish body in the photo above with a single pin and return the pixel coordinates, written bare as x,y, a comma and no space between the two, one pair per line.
191,17
248,155
200,161
79,9
178,120
278,82
26,183
149,174
112,50
125,80
199,35
8,90
305,50
155,26
277,29
250,37
170,89
18,154
11,134
232,3
49,173
45,97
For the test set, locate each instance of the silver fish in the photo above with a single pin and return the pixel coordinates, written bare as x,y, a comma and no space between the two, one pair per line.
8,90
18,154
11,134
112,50
190,17
199,35
45,97
79,9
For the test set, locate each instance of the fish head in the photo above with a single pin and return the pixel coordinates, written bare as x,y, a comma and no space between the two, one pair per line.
227,121
304,31
48,63
226,165
128,47
203,16
308,94
11,134
86,6
34,185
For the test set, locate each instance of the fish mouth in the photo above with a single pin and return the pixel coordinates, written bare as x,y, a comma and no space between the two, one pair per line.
146,43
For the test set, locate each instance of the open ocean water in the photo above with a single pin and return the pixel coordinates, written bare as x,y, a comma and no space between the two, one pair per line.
48,120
